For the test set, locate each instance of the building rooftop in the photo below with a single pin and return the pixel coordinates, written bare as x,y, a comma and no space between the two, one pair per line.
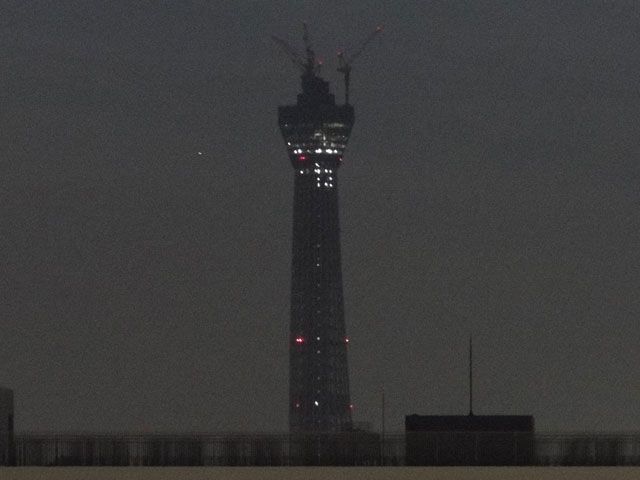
469,423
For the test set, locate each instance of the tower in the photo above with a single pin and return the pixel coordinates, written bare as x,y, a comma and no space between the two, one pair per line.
316,132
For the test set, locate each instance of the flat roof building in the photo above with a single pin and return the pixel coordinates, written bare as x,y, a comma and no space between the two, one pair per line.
469,439
6,426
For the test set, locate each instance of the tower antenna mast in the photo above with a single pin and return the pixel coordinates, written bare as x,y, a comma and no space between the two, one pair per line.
306,63
344,62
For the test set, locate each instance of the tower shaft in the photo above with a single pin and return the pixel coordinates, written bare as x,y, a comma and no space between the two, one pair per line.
316,132
318,376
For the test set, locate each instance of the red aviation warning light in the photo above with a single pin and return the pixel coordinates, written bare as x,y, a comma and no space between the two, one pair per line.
346,340
299,339
302,158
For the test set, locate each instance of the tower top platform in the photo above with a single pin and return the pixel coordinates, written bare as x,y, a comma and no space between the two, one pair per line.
315,125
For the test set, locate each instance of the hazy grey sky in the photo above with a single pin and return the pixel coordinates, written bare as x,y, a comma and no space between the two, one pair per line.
491,186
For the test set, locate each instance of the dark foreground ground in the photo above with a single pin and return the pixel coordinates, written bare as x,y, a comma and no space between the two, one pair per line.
320,473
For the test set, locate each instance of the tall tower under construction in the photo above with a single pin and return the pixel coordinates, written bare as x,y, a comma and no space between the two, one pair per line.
316,132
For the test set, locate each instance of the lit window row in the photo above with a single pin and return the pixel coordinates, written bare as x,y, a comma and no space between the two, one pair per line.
317,171
331,151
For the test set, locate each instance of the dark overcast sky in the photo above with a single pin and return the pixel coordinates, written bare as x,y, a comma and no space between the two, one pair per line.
491,186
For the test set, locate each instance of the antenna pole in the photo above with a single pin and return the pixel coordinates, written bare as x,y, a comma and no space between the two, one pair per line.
470,375
345,62
382,449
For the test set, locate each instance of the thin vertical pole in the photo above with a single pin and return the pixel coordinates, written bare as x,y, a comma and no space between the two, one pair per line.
383,430
470,375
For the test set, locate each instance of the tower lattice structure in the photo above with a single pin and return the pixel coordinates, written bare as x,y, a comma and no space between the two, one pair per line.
316,132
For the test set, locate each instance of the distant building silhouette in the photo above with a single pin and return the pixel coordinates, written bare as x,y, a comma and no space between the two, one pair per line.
316,132
469,439
6,426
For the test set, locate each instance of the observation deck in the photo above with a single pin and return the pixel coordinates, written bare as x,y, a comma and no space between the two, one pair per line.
315,126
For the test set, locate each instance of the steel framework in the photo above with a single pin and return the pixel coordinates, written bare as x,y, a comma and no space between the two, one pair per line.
316,132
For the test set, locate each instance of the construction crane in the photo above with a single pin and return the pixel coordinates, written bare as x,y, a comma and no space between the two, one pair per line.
306,64
344,62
